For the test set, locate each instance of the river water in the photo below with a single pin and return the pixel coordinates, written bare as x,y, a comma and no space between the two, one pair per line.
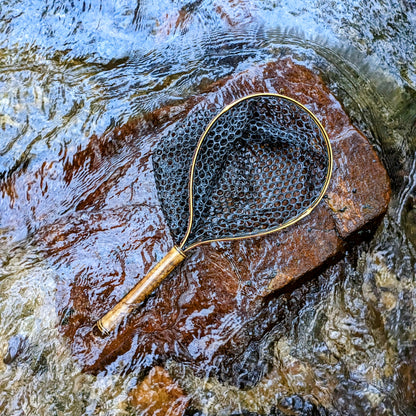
72,69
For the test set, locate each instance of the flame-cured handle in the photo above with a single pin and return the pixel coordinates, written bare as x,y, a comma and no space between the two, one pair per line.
139,293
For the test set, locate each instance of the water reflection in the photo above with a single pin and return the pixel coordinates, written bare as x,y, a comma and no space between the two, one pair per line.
72,71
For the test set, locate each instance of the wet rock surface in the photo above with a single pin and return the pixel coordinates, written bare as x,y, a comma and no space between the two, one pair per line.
158,395
107,237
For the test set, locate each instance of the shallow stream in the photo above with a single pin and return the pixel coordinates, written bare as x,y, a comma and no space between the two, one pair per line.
72,69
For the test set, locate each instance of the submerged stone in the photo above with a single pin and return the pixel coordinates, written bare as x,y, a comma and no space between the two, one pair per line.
202,314
158,395
18,345
297,406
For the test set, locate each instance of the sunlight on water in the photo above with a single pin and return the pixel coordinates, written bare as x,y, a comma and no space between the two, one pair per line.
72,71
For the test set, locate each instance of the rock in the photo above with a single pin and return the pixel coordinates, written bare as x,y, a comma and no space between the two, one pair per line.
297,406
203,312
177,22
359,190
18,345
409,218
158,395
235,13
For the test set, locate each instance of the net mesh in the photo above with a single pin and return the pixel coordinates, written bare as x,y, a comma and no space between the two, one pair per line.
262,163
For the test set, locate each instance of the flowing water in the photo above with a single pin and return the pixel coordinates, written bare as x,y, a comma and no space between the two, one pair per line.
73,69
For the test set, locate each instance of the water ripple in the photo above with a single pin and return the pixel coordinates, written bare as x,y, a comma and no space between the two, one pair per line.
73,73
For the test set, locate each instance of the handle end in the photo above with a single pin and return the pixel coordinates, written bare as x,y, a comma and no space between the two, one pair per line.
139,293
99,330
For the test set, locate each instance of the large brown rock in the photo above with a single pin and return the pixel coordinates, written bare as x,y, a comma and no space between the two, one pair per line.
116,231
